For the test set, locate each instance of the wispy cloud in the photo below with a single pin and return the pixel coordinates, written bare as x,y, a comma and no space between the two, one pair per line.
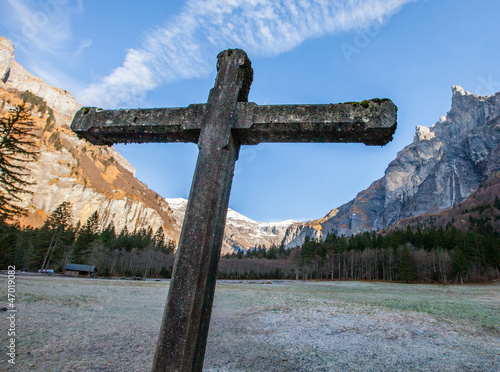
184,47
41,26
56,77
42,30
83,45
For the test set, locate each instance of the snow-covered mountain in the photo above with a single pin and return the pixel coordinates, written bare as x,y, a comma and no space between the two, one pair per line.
241,232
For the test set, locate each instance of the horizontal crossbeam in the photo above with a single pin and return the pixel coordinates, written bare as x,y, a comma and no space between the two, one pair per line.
106,127
370,122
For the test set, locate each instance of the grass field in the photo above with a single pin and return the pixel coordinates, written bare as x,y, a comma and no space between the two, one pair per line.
66,324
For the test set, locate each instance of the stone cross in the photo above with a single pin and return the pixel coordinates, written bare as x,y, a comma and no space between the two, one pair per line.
220,127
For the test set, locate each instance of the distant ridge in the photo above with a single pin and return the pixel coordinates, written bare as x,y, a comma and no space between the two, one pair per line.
241,232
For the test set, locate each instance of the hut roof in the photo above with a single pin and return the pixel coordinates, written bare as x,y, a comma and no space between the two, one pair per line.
78,267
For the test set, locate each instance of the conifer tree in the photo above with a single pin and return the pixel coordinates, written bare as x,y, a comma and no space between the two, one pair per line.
171,246
108,236
60,217
86,235
123,240
8,235
460,263
58,221
159,239
92,224
496,203
406,268
17,149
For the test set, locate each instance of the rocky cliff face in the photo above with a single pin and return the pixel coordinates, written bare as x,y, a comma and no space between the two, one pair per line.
480,212
68,169
442,167
90,177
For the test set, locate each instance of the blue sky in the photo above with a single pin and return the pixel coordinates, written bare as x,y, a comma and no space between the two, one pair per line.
162,54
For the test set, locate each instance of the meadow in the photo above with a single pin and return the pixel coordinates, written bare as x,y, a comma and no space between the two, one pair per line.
66,324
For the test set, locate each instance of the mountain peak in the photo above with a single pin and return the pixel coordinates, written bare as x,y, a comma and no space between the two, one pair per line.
92,178
461,98
13,75
458,90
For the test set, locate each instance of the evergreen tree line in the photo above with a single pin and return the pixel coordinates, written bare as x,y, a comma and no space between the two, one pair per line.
426,256
143,253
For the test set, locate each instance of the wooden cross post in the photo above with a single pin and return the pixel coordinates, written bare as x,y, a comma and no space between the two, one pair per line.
220,127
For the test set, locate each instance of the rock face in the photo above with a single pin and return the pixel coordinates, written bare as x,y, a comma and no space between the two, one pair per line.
442,167
480,211
241,232
68,169
92,178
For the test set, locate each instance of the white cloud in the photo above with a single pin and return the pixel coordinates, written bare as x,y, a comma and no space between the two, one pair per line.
184,47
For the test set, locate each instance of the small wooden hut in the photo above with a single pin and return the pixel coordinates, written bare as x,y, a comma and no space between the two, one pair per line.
80,270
